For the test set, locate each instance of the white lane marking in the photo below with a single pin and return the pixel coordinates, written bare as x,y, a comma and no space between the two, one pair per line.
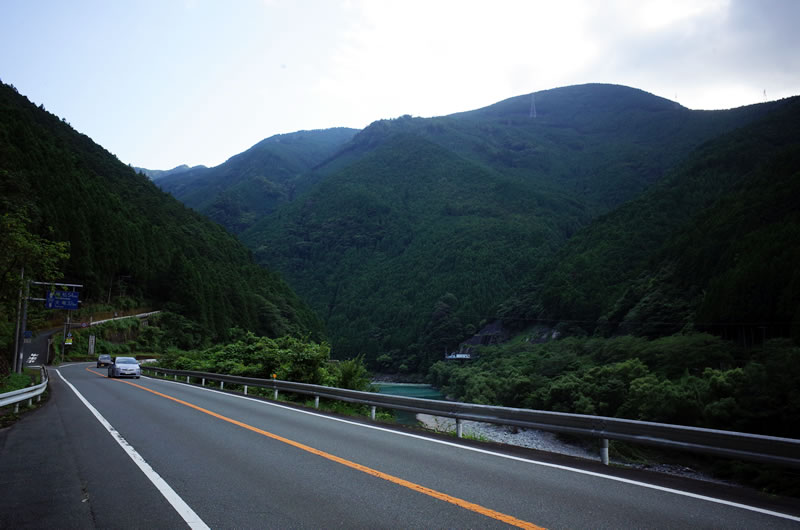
188,515
501,455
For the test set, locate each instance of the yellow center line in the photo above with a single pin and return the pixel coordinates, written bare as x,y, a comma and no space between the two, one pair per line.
368,470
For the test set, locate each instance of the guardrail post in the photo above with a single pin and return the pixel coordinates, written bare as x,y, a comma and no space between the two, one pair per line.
187,378
30,402
316,402
204,382
222,385
372,412
459,428
175,377
604,452
245,390
16,407
276,395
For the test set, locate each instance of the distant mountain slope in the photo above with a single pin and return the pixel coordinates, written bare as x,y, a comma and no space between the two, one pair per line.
410,236
713,246
251,184
120,225
156,174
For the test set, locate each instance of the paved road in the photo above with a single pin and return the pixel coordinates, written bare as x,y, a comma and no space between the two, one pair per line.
35,352
188,456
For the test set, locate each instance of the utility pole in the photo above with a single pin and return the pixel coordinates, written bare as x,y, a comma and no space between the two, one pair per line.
19,312
24,323
64,335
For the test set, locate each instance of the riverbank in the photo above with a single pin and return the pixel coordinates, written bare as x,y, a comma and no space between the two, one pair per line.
530,438
549,442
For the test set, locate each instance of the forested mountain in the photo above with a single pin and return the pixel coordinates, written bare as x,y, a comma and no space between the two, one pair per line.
711,247
57,185
251,184
418,229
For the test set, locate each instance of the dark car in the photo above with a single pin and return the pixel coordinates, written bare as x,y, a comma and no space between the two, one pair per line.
104,360
124,367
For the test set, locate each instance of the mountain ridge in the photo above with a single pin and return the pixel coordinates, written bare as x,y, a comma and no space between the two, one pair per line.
156,174
252,183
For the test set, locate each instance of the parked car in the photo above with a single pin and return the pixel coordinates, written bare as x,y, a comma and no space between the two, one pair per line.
104,360
124,367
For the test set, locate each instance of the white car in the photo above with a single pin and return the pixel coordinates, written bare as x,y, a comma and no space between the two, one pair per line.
124,367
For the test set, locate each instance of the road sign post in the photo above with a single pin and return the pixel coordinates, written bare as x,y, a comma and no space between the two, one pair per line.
68,300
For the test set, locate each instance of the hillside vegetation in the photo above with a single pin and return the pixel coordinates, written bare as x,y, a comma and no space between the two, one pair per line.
710,247
252,184
72,211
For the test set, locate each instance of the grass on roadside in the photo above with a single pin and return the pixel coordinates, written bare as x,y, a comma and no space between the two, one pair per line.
15,381
11,382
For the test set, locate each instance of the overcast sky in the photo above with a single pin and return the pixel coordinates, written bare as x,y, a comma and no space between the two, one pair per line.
166,82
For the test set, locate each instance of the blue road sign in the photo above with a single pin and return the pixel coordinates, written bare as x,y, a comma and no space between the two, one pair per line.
62,300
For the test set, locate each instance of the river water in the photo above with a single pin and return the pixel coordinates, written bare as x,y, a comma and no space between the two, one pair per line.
410,390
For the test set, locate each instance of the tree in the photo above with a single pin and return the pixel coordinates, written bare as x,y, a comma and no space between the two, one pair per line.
22,249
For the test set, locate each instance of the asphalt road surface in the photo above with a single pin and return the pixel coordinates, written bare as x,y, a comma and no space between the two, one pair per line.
139,453
35,352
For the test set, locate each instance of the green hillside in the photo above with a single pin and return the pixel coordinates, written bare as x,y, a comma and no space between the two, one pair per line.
710,246
418,229
251,184
123,233
377,258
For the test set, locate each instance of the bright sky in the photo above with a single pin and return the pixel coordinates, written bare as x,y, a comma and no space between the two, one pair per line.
166,82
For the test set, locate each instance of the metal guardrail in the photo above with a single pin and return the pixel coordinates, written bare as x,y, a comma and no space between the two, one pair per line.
28,393
737,445
97,322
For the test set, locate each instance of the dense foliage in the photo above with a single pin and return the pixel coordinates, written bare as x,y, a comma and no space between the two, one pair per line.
176,342
124,235
695,379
